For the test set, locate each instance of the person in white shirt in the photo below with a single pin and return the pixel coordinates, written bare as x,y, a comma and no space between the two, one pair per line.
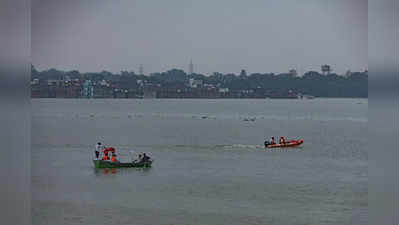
271,142
99,148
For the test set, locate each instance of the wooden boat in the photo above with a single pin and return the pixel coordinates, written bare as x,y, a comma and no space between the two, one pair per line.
291,143
98,163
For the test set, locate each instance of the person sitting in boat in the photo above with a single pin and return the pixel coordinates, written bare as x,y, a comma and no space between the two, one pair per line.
145,158
105,157
282,140
271,142
138,159
106,151
113,158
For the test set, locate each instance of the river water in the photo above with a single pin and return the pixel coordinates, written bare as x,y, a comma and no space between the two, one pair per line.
210,166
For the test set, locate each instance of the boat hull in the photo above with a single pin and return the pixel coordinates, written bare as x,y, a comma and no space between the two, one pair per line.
109,164
292,143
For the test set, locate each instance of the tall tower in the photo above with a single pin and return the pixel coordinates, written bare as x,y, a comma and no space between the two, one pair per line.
191,67
326,69
141,70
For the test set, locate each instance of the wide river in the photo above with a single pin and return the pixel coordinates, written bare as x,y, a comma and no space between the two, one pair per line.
210,165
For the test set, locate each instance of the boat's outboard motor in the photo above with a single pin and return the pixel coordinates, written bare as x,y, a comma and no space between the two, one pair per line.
267,143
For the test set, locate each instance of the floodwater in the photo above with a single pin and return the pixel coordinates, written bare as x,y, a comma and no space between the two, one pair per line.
210,166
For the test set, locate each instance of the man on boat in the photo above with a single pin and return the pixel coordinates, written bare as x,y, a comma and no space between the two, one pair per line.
271,142
105,157
99,148
113,158
145,158
138,159
282,140
106,151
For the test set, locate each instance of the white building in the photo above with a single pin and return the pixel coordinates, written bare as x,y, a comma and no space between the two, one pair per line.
104,83
34,81
52,82
223,90
195,83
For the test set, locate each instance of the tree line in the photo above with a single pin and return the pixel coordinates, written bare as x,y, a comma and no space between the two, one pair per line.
313,83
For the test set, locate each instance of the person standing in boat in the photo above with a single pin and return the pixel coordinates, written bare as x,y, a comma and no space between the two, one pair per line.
99,148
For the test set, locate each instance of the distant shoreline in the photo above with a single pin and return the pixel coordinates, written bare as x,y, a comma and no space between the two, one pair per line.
176,83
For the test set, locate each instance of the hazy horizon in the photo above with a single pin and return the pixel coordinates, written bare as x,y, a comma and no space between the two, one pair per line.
224,36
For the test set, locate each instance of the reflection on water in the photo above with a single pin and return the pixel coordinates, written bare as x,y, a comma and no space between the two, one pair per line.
121,171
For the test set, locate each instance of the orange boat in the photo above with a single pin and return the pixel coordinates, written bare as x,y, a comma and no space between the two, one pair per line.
291,143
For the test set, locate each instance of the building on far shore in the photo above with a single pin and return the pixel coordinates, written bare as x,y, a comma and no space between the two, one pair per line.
193,83
293,72
326,69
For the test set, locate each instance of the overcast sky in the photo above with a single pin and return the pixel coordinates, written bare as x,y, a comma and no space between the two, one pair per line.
219,35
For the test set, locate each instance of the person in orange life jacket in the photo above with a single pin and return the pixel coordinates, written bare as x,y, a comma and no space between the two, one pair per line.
105,157
113,158
282,140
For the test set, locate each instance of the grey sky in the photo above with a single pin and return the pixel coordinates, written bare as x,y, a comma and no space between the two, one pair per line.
223,35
